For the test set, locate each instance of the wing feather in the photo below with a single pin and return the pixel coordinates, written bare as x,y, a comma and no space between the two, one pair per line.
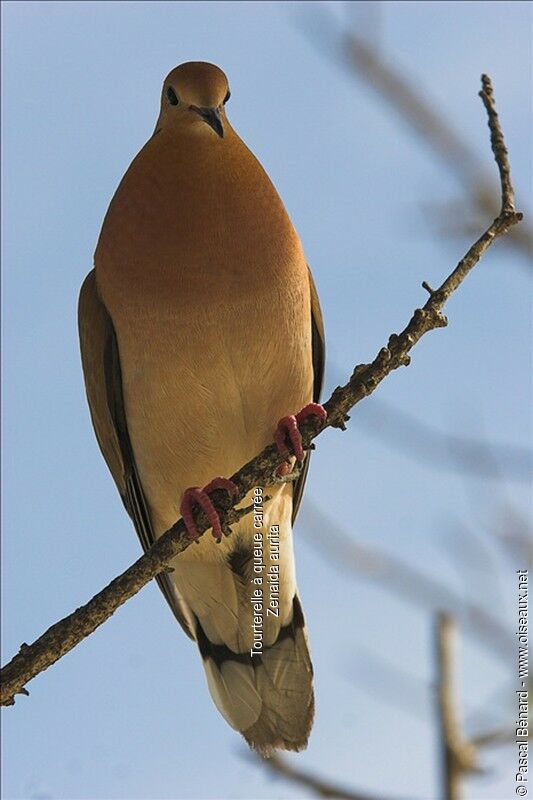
319,357
103,384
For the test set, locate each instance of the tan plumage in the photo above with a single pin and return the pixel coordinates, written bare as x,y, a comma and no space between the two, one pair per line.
200,328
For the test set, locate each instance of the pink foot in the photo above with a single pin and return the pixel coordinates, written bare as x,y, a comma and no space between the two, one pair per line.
288,426
196,496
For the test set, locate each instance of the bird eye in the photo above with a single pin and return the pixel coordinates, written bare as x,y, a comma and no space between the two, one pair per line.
172,97
227,97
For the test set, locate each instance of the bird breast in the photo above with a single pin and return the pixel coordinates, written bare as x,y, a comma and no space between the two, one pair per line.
206,283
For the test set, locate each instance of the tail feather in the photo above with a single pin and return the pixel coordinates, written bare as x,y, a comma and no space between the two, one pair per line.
267,697
233,690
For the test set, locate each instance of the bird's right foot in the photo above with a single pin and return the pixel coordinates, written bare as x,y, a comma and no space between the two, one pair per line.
195,496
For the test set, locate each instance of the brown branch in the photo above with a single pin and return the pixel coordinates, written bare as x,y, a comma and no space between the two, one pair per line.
498,146
64,635
458,754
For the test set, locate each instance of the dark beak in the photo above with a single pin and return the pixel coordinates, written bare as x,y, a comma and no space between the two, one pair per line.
212,117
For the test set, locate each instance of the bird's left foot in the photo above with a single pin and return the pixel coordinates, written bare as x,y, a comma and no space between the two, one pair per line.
195,496
288,427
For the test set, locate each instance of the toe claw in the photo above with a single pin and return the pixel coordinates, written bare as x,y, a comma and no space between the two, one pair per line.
197,496
283,470
288,426
221,483
311,410
190,497
280,434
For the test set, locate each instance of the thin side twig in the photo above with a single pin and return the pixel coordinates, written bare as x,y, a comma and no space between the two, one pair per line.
66,634
498,146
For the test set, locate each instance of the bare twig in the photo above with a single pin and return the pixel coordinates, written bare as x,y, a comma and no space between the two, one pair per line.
458,754
64,635
498,146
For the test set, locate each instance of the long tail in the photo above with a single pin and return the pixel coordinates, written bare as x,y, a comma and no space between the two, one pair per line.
248,622
267,696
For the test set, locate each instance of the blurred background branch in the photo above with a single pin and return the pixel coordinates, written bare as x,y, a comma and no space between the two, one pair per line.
317,786
458,755
402,579
443,451
353,44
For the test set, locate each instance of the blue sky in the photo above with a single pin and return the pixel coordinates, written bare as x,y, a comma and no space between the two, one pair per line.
127,713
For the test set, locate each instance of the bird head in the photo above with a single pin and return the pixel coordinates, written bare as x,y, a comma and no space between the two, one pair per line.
193,97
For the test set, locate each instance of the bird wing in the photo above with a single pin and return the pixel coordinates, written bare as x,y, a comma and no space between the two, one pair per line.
319,355
103,384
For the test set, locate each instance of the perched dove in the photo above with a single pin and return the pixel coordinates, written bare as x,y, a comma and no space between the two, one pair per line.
201,332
